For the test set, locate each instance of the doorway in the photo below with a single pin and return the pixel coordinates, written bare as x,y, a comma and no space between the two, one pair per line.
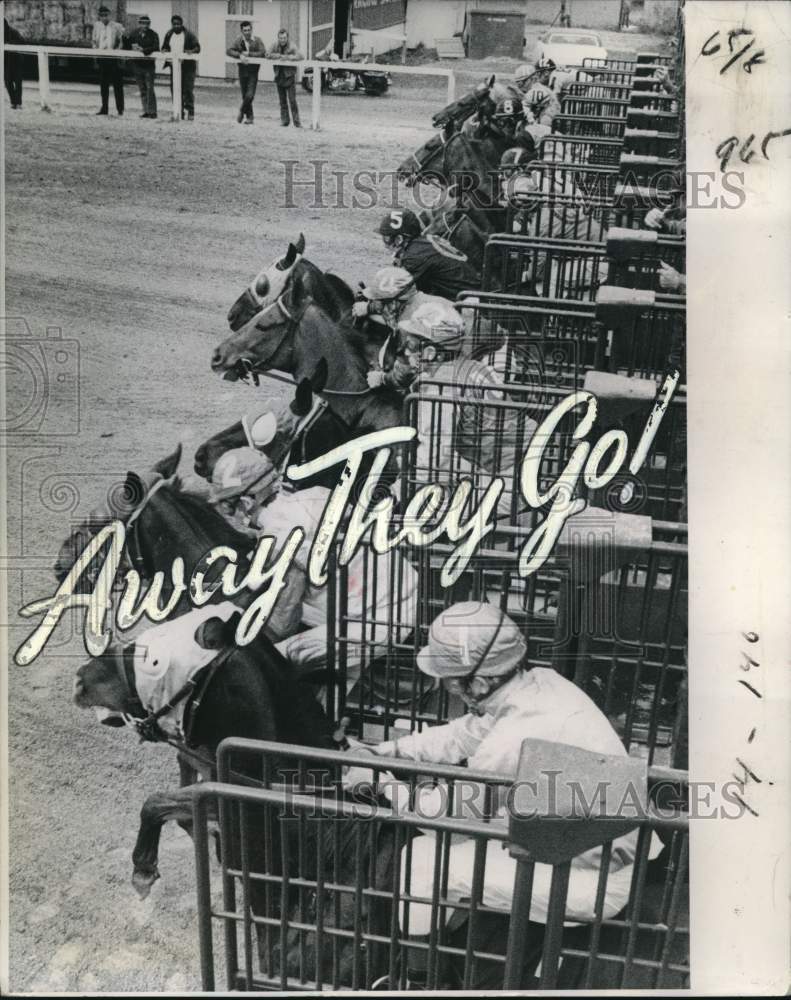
341,27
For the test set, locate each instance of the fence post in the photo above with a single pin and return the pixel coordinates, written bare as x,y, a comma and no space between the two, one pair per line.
43,78
315,123
451,86
176,64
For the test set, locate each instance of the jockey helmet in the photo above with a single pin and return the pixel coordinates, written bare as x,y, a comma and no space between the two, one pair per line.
509,108
472,639
524,72
243,470
389,283
429,324
400,223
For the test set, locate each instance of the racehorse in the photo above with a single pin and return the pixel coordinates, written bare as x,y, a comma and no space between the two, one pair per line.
291,434
277,323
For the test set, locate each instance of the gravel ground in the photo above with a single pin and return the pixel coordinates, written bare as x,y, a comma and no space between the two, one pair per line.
129,239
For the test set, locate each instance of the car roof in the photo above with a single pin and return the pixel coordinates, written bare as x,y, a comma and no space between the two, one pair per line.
571,36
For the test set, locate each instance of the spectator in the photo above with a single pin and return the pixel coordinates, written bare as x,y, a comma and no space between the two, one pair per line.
435,271
246,45
285,78
12,65
109,34
180,41
145,41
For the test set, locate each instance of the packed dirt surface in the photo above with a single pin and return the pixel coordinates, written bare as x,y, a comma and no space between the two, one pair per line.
128,240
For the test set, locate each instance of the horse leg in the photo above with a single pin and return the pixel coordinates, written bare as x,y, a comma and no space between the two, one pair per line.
157,810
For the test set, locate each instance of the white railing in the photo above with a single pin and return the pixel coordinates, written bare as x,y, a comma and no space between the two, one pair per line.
43,52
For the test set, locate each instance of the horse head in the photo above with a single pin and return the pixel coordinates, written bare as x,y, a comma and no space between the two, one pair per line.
265,288
122,499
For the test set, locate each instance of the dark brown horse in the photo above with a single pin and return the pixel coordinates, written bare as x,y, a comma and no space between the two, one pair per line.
279,323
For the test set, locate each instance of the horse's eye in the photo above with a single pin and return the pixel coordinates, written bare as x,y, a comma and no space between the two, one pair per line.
262,285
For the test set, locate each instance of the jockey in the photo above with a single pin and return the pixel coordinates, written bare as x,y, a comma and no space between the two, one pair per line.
485,439
391,297
480,655
435,272
246,489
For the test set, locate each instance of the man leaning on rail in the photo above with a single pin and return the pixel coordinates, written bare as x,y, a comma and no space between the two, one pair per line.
245,46
145,41
480,655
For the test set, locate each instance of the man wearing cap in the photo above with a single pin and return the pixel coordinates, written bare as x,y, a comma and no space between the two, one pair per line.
479,654
436,268
180,41
108,35
247,45
145,41
246,489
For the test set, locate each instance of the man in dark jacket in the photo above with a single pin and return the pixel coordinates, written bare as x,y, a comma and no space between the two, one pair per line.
285,77
245,46
179,41
145,41
12,65
435,272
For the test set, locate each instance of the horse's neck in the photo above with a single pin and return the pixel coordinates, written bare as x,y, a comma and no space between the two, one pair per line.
319,336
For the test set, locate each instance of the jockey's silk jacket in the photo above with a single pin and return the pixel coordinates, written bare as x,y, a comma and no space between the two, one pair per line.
536,704
434,273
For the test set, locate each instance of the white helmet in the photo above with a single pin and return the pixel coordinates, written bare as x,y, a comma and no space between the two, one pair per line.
243,470
472,639
524,72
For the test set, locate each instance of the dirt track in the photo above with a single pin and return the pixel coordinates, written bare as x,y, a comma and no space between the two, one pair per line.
134,237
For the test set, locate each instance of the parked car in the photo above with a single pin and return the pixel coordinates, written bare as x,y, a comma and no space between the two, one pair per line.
568,47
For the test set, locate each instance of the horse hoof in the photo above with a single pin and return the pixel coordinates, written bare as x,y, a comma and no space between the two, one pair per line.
142,882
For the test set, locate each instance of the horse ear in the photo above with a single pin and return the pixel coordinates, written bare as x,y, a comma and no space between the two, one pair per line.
492,78
167,466
289,259
215,633
321,372
303,400
300,247
134,490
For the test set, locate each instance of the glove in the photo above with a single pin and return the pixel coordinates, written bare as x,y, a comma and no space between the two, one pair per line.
360,309
669,278
375,379
654,218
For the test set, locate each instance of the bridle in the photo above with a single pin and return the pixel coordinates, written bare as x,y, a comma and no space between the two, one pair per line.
147,726
250,371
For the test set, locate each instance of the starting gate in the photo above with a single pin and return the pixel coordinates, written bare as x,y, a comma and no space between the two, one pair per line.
322,892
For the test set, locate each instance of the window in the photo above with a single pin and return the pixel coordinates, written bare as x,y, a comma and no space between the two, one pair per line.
240,7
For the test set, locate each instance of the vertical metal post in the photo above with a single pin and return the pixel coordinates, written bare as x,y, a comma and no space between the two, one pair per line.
43,78
176,63
403,52
315,109
451,86
520,917
201,842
